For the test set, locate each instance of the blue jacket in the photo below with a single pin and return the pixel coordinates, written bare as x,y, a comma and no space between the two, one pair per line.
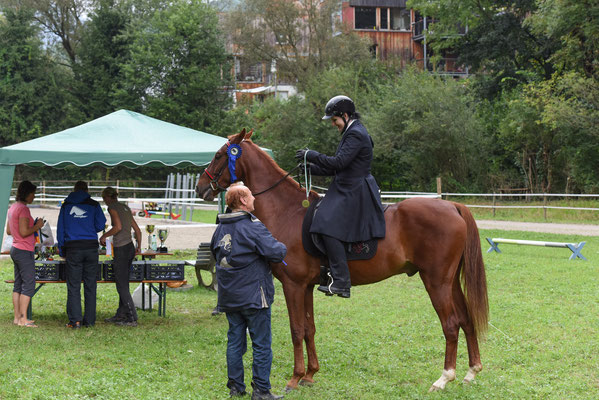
243,249
351,210
79,221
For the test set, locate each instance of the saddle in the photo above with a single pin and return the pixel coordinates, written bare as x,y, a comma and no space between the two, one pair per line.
314,245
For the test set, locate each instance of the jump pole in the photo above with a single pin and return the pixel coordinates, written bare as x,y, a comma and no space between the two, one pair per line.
575,248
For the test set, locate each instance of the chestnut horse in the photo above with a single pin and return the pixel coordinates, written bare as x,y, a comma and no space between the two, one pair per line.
436,238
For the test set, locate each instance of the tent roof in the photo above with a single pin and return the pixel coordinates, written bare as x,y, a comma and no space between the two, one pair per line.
120,138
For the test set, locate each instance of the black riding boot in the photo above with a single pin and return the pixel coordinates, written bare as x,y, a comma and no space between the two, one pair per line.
339,279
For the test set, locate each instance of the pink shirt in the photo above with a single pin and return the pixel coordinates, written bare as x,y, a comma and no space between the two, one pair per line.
16,211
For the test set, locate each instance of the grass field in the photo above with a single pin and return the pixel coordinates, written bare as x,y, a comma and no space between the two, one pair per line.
383,343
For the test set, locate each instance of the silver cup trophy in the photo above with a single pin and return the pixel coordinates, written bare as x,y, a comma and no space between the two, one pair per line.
162,235
150,230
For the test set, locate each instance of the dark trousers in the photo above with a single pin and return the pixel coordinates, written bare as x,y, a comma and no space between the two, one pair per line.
82,265
123,257
24,271
337,262
257,321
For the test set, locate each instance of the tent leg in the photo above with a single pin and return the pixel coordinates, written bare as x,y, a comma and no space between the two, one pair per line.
7,172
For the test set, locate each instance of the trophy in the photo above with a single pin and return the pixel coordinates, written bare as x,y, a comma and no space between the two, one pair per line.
150,230
162,235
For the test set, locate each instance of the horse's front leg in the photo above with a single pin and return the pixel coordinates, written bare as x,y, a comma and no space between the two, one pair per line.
309,333
294,297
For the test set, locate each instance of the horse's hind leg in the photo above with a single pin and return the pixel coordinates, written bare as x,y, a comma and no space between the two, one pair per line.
309,332
440,292
468,328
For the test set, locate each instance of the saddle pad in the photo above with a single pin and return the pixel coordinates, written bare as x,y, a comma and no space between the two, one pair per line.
314,246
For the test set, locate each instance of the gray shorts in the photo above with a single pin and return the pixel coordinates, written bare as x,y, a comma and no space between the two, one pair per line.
24,271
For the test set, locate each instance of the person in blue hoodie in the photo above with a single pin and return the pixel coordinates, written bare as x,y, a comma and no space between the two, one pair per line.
243,248
79,221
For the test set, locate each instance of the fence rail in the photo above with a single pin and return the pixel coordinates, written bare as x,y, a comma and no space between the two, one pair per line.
186,197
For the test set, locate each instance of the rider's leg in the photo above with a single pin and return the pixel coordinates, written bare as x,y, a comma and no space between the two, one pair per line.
341,282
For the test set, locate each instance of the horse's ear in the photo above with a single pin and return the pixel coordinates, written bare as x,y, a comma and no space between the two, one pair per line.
248,135
237,138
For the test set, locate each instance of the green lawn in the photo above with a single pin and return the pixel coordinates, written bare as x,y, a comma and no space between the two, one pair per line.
383,343
206,216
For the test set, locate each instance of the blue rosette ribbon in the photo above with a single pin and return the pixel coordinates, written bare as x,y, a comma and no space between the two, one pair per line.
234,152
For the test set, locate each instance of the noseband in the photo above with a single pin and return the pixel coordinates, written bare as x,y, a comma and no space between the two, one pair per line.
214,178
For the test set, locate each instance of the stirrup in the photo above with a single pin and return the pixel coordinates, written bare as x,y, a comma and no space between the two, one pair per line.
326,289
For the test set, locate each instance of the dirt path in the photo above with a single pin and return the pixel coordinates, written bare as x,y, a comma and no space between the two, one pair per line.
567,229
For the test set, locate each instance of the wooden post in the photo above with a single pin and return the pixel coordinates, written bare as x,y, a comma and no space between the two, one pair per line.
544,206
439,191
43,192
493,204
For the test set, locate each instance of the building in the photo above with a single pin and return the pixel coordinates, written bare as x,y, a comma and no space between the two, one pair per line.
398,33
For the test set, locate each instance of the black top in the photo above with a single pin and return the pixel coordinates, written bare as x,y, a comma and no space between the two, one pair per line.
351,210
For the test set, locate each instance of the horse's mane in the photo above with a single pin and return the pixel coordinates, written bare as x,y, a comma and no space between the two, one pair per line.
277,168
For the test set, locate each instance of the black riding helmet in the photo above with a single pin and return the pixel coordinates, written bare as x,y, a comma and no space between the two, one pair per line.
339,105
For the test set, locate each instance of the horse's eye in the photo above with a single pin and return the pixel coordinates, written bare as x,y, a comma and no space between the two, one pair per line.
217,156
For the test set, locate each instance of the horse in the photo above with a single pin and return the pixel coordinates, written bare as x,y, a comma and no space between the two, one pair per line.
436,238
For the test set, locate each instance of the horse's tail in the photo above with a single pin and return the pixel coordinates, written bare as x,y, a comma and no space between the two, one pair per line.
473,276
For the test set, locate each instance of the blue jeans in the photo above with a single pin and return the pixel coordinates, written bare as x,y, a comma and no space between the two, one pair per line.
257,321
82,265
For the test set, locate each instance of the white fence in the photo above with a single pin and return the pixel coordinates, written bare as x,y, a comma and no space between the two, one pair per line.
179,196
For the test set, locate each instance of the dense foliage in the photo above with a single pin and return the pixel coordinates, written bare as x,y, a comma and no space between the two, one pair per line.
527,117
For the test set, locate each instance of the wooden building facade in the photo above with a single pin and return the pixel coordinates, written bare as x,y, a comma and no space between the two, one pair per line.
397,32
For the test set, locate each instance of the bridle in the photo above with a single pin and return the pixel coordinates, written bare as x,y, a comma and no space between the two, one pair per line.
214,185
214,178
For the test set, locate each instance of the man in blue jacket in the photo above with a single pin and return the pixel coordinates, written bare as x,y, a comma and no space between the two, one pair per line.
79,221
243,248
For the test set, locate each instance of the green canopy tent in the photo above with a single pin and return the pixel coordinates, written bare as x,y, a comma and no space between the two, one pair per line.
120,138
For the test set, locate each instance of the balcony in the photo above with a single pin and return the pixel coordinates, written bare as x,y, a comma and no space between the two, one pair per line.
444,66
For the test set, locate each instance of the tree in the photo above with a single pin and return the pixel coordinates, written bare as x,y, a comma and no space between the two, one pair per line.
574,24
98,70
301,37
62,20
178,69
424,127
499,46
33,99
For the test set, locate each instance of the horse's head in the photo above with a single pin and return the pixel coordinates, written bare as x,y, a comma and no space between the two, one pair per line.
216,177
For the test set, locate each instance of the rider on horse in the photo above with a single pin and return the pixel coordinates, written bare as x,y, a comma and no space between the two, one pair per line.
352,210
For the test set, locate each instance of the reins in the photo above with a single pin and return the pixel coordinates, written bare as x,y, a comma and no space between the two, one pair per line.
279,181
214,178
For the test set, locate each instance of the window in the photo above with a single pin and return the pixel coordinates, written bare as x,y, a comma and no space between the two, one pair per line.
365,17
400,19
384,18
246,72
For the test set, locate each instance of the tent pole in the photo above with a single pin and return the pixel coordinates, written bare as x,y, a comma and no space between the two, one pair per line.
7,173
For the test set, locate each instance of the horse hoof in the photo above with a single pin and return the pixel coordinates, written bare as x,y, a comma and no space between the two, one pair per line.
434,389
307,383
288,389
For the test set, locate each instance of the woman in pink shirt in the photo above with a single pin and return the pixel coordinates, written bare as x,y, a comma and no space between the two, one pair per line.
22,227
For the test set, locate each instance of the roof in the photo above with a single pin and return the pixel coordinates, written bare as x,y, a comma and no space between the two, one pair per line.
120,138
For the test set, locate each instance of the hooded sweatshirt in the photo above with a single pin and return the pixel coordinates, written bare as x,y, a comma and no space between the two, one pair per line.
79,221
